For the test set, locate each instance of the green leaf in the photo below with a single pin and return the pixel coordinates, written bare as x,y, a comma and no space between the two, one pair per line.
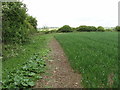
31,74
24,84
31,83
38,77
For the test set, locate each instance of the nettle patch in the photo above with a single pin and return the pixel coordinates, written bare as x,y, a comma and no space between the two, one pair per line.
26,76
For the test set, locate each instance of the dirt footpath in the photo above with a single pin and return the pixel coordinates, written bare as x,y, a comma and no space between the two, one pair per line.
59,73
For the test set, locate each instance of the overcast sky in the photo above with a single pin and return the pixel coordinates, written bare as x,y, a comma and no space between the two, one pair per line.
56,13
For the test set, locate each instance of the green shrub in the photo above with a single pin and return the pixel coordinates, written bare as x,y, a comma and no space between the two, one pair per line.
109,30
32,21
49,31
82,28
101,29
46,32
65,28
53,31
86,28
92,28
117,28
73,29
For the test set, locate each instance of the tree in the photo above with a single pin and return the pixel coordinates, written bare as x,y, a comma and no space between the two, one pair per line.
65,28
100,28
117,28
91,28
82,28
85,28
16,23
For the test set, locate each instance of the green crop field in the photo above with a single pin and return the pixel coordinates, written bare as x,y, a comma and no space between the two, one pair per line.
94,55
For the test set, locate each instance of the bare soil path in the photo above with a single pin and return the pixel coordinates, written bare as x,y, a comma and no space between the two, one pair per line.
59,73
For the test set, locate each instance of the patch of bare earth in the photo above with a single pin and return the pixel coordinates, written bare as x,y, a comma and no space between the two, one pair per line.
60,74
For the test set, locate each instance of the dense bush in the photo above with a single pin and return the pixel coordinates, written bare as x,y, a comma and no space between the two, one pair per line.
49,31
32,21
73,29
92,28
65,28
16,23
86,28
109,30
117,28
53,31
82,28
100,28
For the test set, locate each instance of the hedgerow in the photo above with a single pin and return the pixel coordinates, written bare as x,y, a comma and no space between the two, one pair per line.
16,23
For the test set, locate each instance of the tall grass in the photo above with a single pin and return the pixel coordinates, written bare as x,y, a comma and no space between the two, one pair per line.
94,55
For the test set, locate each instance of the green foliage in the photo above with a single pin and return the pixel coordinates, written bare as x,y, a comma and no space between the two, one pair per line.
26,76
100,28
117,28
53,31
49,31
109,30
65,28
15,55
92,28
73,29
94,55
17,66
32,21
16,24
86,28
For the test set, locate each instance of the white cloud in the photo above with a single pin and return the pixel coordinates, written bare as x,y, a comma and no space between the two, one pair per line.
74,12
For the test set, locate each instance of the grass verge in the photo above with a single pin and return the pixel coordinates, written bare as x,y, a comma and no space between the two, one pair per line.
16,57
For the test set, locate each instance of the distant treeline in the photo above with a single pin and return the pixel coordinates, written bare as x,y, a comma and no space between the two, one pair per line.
83,28
17,25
